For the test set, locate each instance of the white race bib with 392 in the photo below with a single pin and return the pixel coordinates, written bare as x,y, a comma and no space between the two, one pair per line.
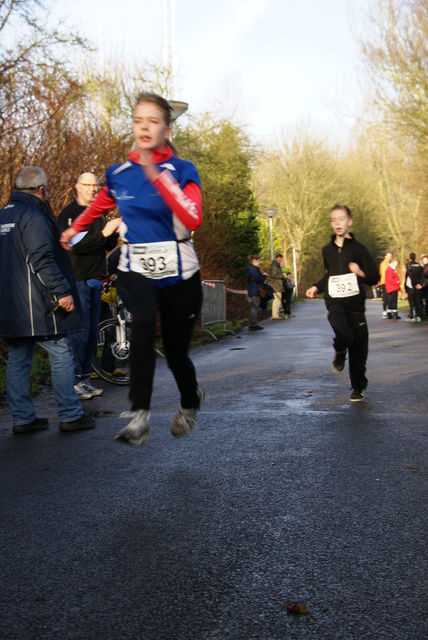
154,260
343,286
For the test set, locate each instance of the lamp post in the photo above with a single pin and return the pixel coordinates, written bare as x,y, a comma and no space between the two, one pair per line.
270,213
293,246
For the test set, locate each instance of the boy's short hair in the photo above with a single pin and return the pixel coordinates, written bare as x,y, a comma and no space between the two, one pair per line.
342,207
278,255
412,256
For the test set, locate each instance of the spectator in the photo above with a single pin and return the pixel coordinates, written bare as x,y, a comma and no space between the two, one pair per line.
424,260
276,280
392,286
287,295
256,280
381,284
414,283
88,257
38,290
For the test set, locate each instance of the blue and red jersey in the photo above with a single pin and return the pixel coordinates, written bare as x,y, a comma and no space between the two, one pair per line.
166,210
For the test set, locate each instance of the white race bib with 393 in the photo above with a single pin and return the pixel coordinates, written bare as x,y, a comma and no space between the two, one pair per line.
343,286
154,260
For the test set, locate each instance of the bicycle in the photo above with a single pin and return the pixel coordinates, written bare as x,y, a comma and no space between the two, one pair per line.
111,357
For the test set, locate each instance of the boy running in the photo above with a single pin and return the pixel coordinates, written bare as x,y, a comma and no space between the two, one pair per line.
349,266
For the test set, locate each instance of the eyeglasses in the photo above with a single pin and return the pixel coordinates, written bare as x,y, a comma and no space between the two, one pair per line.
35,188
88,186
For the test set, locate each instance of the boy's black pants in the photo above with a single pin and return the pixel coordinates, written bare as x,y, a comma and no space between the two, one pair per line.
351,332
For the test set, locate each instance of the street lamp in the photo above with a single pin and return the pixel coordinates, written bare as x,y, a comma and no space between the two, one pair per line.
293,246
270,213
178,108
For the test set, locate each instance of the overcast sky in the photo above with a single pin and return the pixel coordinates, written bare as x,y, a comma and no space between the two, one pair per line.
279,60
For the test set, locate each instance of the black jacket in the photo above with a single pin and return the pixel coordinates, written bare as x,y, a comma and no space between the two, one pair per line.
336,261
415,272
89,255
34,271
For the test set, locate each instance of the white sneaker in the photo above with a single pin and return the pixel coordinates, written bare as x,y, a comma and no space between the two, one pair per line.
82,392
137,432
185,419
91,389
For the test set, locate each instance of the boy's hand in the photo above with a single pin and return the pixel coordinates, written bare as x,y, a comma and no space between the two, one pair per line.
312,292
356,269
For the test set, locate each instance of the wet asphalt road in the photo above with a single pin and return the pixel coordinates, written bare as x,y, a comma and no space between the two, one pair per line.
286,492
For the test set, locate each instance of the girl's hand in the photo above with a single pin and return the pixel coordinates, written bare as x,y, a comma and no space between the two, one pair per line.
144,157
66,237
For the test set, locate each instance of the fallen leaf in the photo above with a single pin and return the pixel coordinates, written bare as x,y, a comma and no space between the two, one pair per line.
296,608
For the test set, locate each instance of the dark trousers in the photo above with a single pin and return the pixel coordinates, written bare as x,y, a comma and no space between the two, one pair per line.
350,330
385,296
286,302
178,306
415,302
393,301
85,342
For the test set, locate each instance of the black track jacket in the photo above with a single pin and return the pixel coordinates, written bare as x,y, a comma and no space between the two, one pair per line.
336,261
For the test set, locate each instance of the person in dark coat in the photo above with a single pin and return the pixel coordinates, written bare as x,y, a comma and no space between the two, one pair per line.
414,284
88,257
256,281
38,290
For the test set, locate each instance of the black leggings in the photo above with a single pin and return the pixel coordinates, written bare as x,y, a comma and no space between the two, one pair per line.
178,307
351,333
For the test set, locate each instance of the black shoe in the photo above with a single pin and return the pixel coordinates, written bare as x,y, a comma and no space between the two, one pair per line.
255,327
338,364
39,424
358,395
397,317
84,422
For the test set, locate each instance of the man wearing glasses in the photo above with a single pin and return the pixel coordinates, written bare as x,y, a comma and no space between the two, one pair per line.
88,256
38,293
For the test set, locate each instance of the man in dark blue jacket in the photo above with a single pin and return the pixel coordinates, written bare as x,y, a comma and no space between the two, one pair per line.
37,287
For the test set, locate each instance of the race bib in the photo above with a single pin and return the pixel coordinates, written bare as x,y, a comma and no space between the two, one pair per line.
155,260
343,286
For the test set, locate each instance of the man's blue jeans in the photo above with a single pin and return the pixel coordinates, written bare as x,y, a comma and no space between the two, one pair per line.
85,342
21,404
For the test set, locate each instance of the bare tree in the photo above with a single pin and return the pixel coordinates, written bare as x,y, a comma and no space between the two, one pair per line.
395,51
300,179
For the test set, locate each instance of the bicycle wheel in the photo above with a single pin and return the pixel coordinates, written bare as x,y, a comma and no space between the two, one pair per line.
111,357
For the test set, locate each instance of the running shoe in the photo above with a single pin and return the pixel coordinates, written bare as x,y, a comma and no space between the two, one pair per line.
358,395
137,432
91,389
338,364
82,391
185,419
